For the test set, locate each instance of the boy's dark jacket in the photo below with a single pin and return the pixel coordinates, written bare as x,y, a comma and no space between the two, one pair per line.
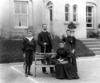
28,45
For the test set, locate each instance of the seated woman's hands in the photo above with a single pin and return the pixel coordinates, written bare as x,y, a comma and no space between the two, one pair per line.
60,60
24,55
73,51
64,62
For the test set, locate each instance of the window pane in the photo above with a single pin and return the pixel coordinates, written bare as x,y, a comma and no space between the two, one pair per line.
89,19
66,9
74,17
89,25
89,9
17,7
24,7
16,20
21,11
90,14
50,14
74,9
86,19
66,17
86,9
24,20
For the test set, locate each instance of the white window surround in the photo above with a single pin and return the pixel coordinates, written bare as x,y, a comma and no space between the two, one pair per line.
89,16
89,4
21,16
75,22
49,6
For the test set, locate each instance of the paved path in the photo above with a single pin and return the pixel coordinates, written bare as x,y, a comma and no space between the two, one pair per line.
88,70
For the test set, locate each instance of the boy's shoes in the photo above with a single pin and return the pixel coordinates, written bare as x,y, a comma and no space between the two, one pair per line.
26,75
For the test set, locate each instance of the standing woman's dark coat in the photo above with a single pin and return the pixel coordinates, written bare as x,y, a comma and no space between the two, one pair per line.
72,41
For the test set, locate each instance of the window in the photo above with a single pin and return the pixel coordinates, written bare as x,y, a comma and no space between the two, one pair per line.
75,13
67,12
50,7
21,14
89,16
51,13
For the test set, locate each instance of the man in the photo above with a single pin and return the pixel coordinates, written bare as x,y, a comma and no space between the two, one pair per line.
72,42
29,47
44,41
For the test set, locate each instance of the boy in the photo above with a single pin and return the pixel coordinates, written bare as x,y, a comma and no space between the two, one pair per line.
29,47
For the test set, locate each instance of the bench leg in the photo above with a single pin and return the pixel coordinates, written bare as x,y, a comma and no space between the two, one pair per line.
53,72
35,72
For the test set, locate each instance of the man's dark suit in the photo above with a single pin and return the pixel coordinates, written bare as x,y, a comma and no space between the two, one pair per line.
44,37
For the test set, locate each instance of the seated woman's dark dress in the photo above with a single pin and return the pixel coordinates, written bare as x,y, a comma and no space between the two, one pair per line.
65,70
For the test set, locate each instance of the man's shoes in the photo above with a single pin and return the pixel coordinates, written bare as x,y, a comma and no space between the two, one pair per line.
45,72
30,74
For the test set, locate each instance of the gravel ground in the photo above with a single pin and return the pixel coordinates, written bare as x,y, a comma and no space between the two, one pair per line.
88,70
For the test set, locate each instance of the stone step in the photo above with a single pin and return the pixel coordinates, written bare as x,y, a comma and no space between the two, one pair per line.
90,40
93,46
95,49
92,43
97,52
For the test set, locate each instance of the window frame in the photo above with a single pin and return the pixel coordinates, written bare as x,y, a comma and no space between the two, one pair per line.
87,16
68,13
49,5
20,14
75,13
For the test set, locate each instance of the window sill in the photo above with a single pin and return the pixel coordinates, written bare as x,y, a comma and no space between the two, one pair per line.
20,27
91,28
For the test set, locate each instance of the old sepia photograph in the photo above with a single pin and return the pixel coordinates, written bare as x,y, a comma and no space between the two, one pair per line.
49,41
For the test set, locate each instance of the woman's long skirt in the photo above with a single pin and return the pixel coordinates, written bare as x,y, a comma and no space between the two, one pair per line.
65,71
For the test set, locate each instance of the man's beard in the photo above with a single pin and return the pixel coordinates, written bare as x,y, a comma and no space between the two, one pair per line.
45,29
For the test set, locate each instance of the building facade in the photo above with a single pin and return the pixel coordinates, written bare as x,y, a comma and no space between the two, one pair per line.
17,15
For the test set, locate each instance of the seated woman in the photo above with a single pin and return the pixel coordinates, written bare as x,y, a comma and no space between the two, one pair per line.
63,67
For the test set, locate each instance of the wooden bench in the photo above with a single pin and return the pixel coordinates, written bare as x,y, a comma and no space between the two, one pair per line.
40,56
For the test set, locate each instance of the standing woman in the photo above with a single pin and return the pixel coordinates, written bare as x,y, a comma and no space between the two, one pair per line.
29,47
72,41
